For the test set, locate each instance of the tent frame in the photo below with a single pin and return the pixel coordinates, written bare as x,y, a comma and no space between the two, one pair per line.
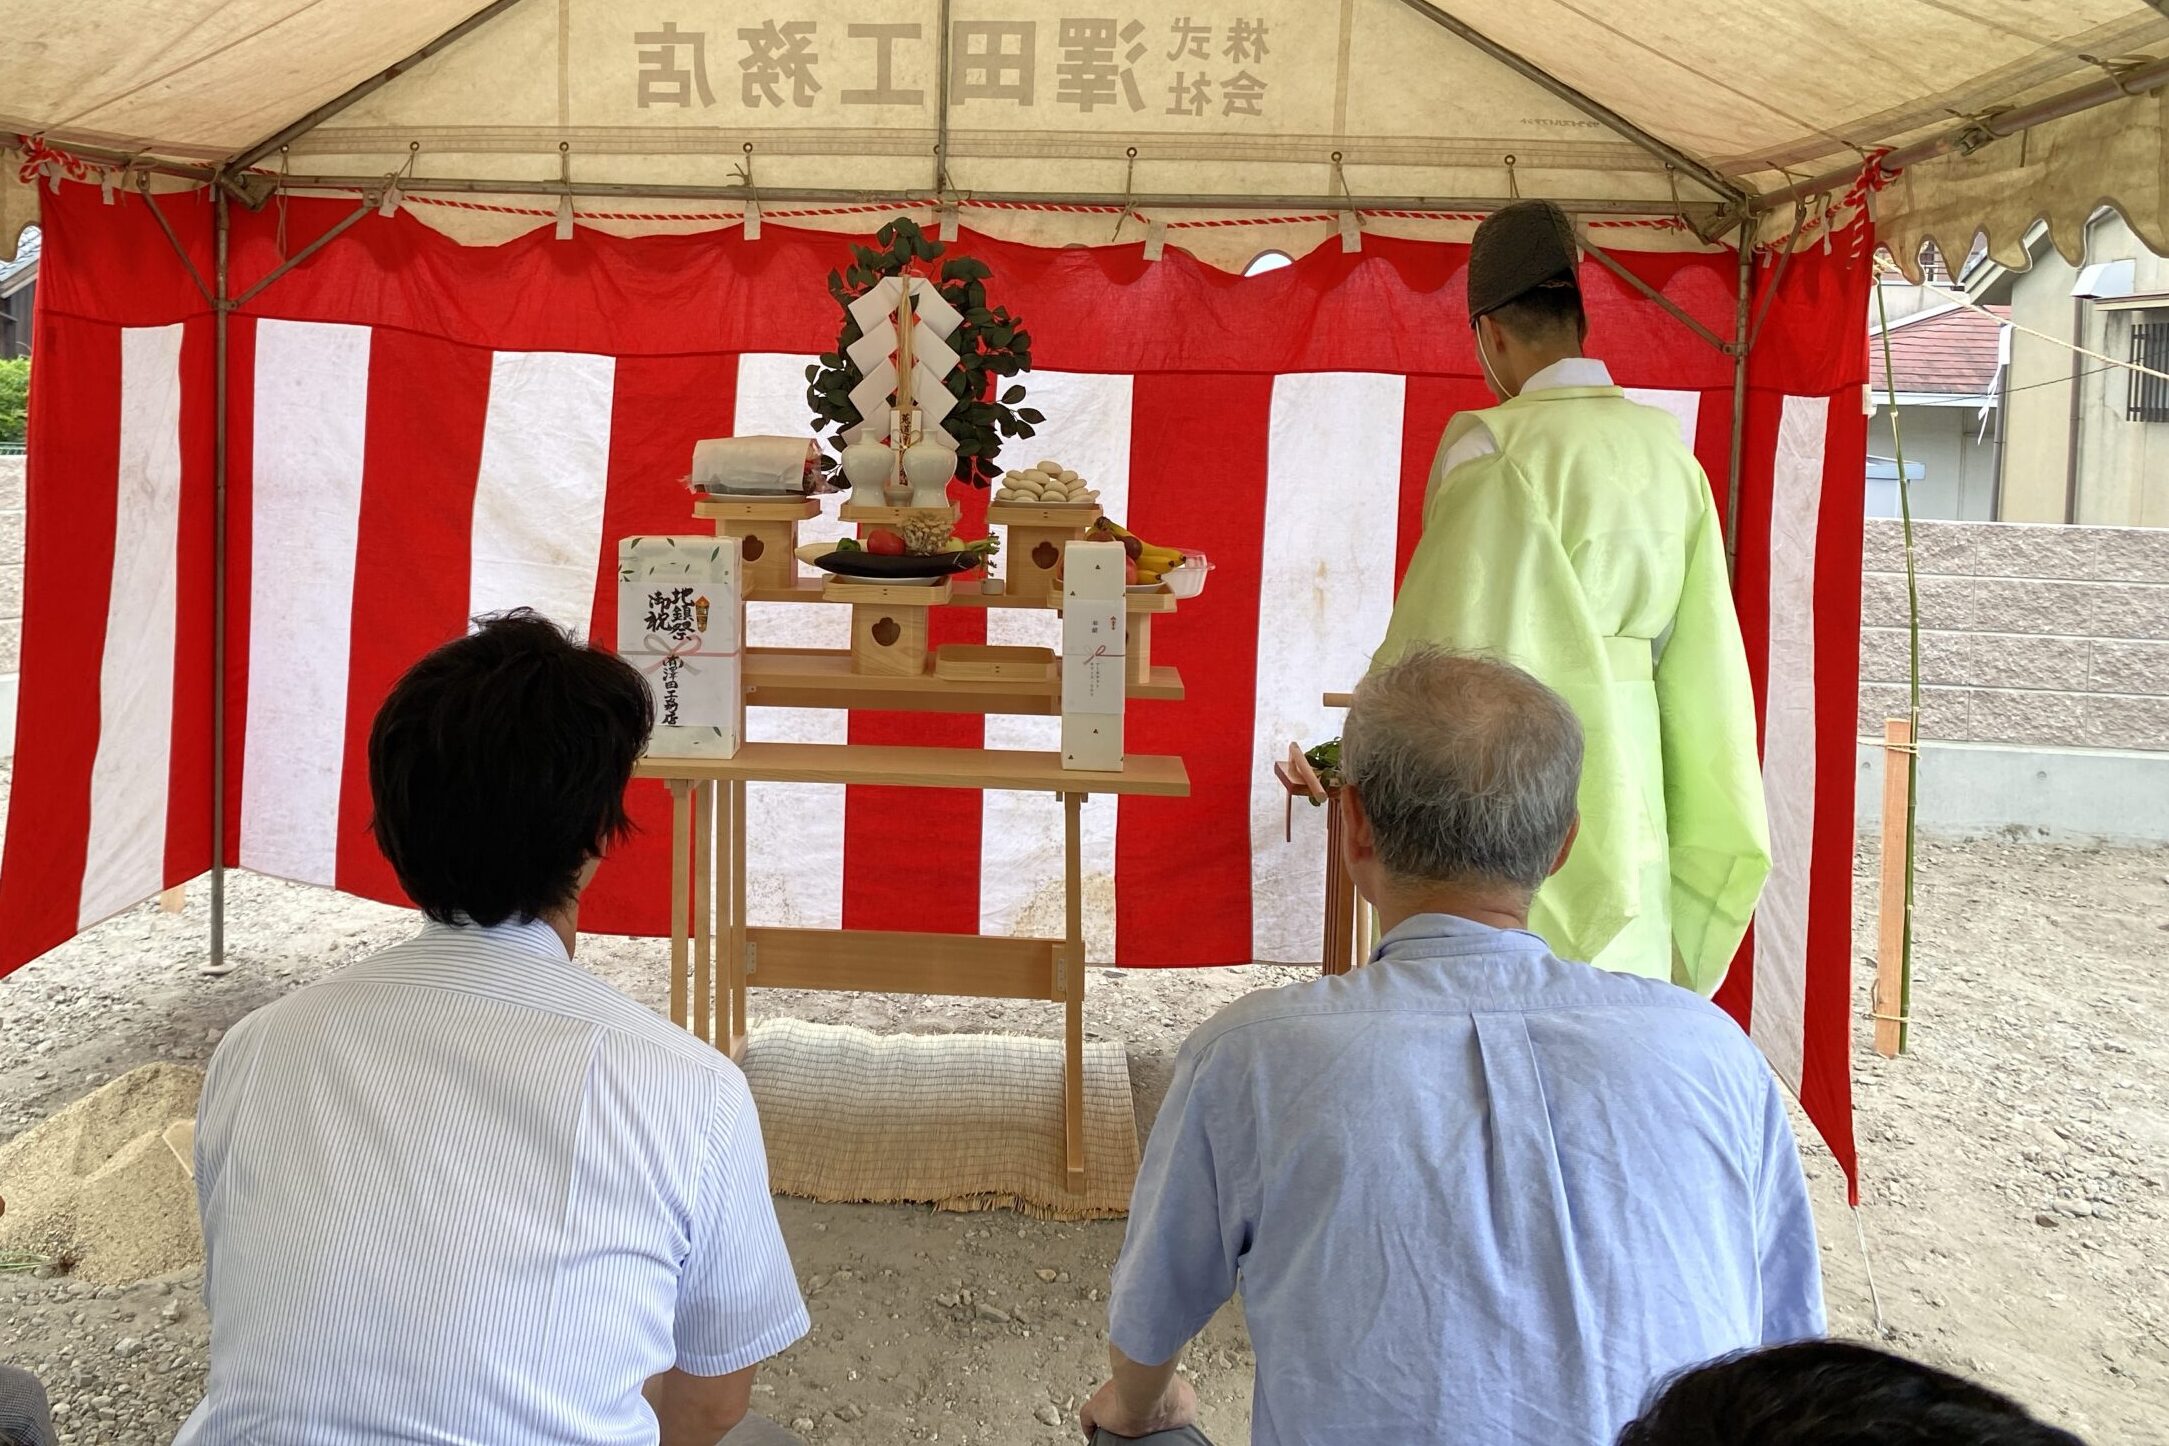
1736,209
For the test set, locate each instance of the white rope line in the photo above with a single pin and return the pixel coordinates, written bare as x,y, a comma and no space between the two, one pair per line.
1884,268
1875,1296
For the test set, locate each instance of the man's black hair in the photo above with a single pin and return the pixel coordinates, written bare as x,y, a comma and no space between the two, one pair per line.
498,767
1553,310
1832,1393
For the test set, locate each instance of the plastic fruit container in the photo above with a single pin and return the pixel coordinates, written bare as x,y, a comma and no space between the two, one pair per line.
1187,579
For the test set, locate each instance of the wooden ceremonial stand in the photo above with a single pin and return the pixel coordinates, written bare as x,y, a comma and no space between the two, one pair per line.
1348,924
716,954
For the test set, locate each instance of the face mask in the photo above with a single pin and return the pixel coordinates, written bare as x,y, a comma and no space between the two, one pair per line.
1491,378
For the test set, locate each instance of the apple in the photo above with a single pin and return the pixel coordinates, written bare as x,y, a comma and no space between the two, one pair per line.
883,543
1129,571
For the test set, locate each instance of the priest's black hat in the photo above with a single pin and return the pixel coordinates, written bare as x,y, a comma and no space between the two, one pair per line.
1518,249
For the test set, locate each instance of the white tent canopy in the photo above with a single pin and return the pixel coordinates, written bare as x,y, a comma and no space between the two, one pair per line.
671,113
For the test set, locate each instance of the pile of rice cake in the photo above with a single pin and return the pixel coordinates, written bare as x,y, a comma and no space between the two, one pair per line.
1049,484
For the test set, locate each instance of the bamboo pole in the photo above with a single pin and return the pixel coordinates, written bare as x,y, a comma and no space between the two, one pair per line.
1897,1005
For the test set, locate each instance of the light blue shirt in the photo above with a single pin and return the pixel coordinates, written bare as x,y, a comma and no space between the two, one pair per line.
465,1192
1471,1194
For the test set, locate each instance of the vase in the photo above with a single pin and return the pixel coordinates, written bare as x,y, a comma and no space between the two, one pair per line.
928,467
868,465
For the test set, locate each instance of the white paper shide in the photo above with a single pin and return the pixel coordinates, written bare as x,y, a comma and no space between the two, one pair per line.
1094,686
682,622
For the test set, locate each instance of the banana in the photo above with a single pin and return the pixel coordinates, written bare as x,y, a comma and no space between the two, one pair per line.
1152,561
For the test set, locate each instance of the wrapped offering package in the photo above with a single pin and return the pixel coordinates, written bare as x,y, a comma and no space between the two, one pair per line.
682,622
1093,647
758,467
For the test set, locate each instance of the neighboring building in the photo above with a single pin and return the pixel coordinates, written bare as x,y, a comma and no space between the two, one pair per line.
1949,361
18,292
2085,440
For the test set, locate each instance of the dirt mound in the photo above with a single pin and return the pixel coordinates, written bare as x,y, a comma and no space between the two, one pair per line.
96,1188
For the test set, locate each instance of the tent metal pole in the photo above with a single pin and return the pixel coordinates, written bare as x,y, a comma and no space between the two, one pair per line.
1613,265
132,160
1328,206
222,306
174,241
1971,136
1732,191
288,134
1740,350
369,203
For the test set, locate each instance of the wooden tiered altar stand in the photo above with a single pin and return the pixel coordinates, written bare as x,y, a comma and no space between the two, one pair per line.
717,954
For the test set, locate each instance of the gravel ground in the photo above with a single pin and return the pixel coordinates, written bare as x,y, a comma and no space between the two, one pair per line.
2014,1163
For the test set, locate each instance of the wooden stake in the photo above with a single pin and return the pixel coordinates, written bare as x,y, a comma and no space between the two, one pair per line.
173,900
1890,1001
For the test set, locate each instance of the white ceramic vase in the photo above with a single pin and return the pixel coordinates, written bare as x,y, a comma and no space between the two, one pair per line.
868,465
928,467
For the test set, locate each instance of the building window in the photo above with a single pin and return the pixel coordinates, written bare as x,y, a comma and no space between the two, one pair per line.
2148,398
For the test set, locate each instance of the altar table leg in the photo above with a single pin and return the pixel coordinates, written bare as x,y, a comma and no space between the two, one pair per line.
1337,943
681,848
733,943
703,896
1073,974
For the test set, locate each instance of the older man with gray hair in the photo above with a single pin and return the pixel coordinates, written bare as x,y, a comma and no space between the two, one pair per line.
1471,1192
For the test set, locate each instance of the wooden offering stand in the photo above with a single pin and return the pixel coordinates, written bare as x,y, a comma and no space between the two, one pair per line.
767,532
717,954
1348,937
1033,538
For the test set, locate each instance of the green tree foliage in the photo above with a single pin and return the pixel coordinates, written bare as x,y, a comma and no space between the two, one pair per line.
14,400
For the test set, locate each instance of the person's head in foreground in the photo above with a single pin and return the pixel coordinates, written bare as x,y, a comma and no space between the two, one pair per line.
1524,301
1459,777
498,768
463,1189
1832,1393
1469,1191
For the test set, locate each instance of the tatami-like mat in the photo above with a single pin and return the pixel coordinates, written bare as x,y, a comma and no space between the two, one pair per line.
960,1121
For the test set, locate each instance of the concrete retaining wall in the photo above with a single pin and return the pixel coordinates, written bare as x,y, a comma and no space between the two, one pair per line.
11,595
2045,677
2031,635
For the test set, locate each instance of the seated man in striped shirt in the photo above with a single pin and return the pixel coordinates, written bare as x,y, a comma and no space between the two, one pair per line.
1470,1192
463,1191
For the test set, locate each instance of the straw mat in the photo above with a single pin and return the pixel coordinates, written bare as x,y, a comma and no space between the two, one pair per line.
959,1121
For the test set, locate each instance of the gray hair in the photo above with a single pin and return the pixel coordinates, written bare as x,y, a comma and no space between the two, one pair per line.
1468,769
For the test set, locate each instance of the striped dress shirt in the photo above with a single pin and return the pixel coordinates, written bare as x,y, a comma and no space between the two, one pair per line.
465,1192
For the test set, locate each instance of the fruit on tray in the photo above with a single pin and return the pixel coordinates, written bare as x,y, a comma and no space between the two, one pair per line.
883,543
1049,484
1151,561
982,549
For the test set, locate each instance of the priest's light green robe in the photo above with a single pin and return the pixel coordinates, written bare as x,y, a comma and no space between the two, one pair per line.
1584,546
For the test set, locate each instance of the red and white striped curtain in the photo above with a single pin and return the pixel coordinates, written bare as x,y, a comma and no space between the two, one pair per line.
420,432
